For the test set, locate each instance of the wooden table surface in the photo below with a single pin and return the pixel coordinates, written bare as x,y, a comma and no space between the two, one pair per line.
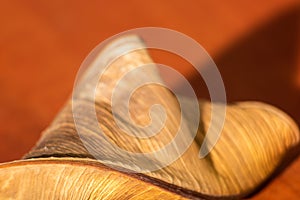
255,44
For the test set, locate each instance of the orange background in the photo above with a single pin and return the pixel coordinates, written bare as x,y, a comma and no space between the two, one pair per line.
254,43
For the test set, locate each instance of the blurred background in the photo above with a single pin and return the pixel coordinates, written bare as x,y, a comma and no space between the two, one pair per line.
255,44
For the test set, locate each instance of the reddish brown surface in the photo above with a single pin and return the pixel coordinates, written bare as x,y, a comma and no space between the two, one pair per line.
42,44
